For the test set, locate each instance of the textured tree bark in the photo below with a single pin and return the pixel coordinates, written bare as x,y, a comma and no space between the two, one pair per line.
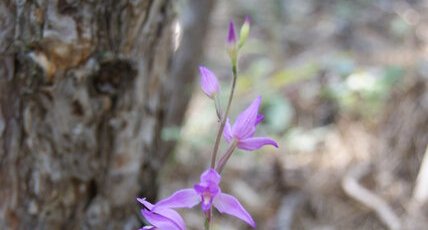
81,89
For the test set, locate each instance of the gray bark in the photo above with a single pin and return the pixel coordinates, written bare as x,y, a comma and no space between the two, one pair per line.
81,92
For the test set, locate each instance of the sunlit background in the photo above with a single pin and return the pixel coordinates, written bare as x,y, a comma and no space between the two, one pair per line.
344,88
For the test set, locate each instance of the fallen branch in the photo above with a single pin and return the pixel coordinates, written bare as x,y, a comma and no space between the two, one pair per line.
358,192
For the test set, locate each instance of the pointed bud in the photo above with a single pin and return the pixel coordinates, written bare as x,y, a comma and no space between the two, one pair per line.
245,31
209,82
231,37
232,50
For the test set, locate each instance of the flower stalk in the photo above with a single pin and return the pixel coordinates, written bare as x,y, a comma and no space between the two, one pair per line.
223,119
222,162
208,220
218,108
207,224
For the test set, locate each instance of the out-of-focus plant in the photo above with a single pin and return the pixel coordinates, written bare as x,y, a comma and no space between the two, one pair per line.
363,92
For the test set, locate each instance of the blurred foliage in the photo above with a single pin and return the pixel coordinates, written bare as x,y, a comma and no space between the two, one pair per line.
279,113
363,92
293,75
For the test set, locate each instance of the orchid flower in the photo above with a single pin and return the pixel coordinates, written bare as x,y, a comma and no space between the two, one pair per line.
209,82
161,218
243,129
209,194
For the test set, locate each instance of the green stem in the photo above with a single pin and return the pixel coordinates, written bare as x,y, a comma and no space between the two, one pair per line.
222,162
208,220
218,108
224,118
207,224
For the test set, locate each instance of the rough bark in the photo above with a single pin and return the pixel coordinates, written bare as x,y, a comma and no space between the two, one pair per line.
81,88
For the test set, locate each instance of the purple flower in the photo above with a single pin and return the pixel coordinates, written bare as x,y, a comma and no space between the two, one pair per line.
209,83
231,37
162,218
244,128
209,194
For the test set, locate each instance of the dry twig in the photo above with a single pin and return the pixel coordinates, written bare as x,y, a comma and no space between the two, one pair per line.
358,192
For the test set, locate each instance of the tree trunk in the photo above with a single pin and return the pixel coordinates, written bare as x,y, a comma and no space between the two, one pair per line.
195,19
81,88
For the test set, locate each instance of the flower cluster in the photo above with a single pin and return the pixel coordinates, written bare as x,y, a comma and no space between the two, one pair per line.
207,192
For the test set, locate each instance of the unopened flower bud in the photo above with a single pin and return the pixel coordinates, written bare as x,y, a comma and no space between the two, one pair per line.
245,31
232,49
209,82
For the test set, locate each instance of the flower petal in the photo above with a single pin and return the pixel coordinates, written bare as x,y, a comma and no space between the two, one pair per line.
148,228
184,198
146,204
172,215
210,176
227,133
244,126
228,204
260,117
254,143
209,82
162,214
172,220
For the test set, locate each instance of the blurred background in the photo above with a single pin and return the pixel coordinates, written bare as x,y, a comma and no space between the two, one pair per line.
344,88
